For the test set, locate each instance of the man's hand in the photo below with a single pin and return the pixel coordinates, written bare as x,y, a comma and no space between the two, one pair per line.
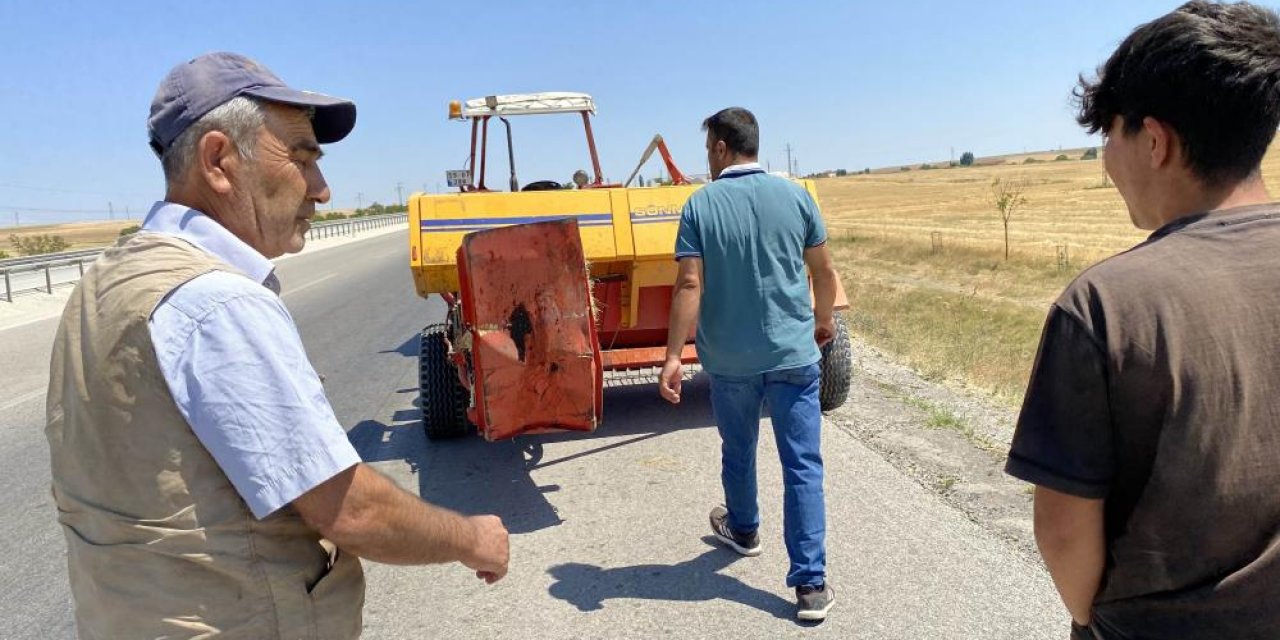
824,330
671,379
492,548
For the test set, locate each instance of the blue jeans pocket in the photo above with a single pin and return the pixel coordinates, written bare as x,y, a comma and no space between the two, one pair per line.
799,376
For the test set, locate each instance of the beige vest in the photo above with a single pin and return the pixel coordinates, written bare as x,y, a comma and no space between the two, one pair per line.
159,544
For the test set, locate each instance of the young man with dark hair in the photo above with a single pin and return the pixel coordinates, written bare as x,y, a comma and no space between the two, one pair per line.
1151,425
753,239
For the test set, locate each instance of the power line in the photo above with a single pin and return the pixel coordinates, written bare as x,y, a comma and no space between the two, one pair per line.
10,185
49,210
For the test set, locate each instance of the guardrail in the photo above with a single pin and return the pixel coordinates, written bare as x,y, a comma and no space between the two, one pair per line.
7,263
44,272
350,226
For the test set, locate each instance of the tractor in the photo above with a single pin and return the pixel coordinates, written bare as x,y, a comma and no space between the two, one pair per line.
554,290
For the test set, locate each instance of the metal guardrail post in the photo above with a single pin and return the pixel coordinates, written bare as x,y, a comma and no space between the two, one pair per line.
48,280
8,287
80,265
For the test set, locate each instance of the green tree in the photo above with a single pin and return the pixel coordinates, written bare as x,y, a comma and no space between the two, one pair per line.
1090,154
1007,196
966,159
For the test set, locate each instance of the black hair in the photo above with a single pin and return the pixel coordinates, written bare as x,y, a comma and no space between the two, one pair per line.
1208,70
737,129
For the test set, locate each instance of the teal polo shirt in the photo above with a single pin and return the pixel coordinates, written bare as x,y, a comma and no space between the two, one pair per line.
751,230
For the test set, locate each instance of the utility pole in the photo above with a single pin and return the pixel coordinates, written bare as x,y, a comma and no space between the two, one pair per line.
17,219
400,193
111,211
359,201
789,168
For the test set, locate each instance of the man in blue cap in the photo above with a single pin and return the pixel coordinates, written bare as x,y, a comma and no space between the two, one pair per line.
202,481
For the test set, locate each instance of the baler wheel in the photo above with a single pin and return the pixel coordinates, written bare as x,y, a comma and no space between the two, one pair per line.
444,399
837,369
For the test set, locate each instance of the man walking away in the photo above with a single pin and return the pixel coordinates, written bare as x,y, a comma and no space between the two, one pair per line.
754,239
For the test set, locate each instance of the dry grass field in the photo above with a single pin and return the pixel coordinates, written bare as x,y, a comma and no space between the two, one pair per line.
79,235
89,235
949,304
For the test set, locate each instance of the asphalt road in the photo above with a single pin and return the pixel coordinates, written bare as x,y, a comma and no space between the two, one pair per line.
609,534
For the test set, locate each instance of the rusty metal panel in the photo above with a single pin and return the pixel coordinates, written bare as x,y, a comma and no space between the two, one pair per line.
526,297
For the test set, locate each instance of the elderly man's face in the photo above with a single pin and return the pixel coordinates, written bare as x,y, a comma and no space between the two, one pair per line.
282,185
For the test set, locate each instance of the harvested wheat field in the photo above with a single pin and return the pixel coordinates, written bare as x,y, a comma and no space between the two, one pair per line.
78,235
921,253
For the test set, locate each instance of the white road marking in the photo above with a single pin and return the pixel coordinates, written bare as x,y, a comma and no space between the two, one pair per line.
38,393
308,285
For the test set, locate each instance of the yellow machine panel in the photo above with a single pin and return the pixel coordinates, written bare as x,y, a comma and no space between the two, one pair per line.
618,226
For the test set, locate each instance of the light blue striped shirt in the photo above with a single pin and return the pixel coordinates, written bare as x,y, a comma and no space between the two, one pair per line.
238,372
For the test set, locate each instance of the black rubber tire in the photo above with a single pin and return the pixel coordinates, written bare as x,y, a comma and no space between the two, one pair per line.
444,399
837,369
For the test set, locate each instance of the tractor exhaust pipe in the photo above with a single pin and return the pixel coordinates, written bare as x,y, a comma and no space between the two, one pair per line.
511,156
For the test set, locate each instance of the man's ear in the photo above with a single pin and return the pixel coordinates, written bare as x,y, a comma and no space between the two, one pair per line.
1165,144
218,158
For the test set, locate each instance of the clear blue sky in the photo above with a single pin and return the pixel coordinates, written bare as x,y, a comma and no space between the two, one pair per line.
847,84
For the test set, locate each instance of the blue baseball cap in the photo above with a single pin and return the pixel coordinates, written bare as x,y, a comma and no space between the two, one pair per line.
198,86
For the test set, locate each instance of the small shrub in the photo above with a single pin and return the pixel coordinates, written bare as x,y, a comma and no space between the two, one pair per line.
1090,154
3,255
38,245
926,166
130,230
905,169
1061,158
1032,161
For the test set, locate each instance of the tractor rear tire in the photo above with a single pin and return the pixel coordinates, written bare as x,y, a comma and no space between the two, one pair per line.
837,369
444,399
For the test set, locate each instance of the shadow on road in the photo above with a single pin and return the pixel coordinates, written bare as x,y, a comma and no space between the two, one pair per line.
587,587
408,348
472,476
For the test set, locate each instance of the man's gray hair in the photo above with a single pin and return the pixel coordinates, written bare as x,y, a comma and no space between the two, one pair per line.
239,118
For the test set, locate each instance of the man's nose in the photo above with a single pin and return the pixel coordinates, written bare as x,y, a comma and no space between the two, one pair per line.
317,188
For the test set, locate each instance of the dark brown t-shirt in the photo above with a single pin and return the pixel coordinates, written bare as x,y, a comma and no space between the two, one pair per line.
1157,388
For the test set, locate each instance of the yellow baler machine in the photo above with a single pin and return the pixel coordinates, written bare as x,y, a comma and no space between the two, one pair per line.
548,289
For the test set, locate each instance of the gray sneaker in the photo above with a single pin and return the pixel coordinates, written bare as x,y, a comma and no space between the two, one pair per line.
747,544
813,603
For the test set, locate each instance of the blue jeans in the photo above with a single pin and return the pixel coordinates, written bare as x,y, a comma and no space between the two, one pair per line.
792,395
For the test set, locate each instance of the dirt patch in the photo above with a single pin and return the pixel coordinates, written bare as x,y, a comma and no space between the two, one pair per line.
950,439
